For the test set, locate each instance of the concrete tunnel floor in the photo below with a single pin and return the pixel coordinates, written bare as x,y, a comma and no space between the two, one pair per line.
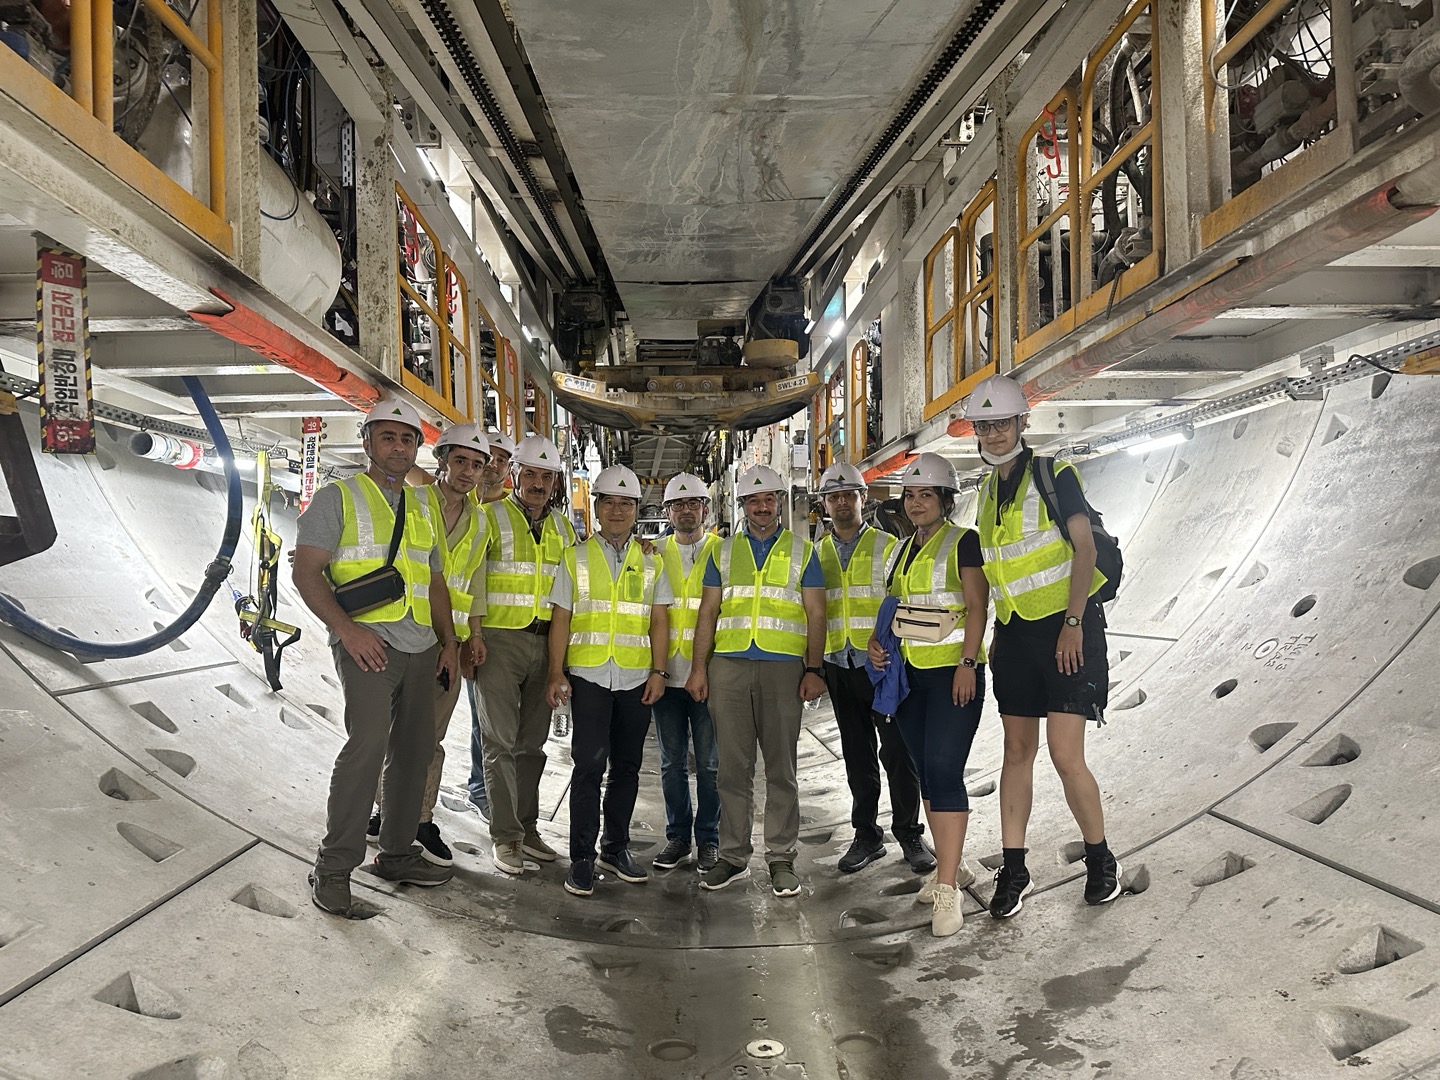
1269,773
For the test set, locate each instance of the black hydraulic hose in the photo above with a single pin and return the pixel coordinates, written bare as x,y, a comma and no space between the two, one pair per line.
215,573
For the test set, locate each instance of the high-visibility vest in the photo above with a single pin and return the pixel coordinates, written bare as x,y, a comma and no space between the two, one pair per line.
460,562
688,588
763,606
610,619
933,580
520,573
853,595
1027,559
367,525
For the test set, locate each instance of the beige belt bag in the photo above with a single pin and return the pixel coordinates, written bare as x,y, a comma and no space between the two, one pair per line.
929,624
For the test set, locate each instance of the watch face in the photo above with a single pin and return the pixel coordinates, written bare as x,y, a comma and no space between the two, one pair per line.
1071,620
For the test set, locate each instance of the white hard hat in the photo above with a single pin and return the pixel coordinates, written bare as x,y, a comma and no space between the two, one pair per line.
929,470
685,486
756,479
500,441
995,399
537,452
842,476
391,407
465,436
617,480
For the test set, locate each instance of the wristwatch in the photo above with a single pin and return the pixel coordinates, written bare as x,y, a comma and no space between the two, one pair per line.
658,671
967,661
1072,620
815,671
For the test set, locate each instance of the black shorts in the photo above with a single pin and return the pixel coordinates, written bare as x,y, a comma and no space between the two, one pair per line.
1026,681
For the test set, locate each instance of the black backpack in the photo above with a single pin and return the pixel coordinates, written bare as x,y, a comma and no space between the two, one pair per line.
1107,549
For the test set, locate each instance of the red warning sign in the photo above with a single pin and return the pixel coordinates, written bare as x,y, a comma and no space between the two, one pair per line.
67,414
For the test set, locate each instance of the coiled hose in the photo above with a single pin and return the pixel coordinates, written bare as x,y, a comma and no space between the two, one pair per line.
215,573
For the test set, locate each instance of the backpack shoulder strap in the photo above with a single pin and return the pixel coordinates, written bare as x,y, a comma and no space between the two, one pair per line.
1043,473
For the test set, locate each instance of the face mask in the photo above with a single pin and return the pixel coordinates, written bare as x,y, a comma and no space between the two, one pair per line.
1000,459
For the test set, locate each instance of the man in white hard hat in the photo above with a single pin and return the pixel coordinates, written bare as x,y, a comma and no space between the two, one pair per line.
491,488
608,639
526,545
763,611
391,647
461,454
1050,655
680,721
853,557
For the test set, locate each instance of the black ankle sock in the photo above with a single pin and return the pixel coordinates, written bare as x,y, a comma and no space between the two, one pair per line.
1101,848
1014,857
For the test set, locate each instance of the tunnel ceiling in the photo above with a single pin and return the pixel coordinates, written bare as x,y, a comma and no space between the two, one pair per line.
705,138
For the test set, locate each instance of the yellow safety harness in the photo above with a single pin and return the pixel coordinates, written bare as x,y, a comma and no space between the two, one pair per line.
257,623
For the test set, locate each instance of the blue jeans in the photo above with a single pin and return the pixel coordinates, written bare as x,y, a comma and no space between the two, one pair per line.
678,719
477,748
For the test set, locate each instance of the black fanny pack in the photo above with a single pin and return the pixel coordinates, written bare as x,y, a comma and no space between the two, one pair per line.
379,587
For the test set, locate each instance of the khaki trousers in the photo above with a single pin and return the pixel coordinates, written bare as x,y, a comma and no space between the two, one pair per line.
444,707
514,720
757,703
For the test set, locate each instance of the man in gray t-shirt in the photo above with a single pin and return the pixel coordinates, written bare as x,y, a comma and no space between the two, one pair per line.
389,666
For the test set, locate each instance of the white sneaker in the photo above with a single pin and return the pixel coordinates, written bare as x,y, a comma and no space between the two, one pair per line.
508,858
948,918
964,878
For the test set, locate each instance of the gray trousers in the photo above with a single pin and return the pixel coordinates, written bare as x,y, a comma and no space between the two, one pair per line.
444,706
757,703
389,725
514,720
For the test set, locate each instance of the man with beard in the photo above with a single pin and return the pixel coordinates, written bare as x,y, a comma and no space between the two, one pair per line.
854,557
388,657
527,542
763,610
462,454
680,720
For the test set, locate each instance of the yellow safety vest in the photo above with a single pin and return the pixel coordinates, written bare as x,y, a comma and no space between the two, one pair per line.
853,595
764,606
1027,560
610,619
520,573
685,610
459,563
933,580
368,524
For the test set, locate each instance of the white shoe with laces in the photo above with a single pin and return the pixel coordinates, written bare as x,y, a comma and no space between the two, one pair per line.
964,878
947,917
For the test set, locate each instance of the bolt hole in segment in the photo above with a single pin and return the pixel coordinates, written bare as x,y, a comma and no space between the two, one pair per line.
980,790
152,845
156,715
1135,880
860,916
671,1049
1267,735
857,1042
1337,427
1317,810
234,695
1423,574
258,898
14,601
1071,853
123,788
293,720
1256,574
1131,700
1221,869
175,646
1302,606
1349,1031
1377,947
177,761
13,927
1224,689
1341,750
1379,383
137,994
1240,426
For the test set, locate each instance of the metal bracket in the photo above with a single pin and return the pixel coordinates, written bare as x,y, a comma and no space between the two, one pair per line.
31,529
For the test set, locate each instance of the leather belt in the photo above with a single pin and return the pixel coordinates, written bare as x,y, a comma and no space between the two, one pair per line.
540,627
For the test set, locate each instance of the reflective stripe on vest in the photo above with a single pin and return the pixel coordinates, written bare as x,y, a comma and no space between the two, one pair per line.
933,580
688,588
1027,559
610,619
459,563
365,531
762,607
520,573
853,595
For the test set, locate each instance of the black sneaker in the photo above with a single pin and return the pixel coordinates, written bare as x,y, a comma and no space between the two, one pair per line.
675,853
581,879
623,865
1102,878
432,847
372,830
706,857
722,874
860,856
409,869
918,854
1011,888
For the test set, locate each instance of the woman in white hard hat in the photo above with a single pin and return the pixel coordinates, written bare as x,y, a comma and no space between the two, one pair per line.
1049,642
938,569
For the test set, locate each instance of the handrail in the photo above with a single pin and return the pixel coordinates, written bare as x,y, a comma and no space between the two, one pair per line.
1257,22
209,57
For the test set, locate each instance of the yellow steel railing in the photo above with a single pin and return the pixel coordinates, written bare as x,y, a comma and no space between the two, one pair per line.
857,411
86,116
445,305
492,372
959,338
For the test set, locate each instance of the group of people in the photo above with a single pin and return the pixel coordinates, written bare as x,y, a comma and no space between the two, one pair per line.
720,641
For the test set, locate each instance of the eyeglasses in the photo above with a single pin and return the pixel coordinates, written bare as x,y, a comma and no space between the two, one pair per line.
984,427
687,504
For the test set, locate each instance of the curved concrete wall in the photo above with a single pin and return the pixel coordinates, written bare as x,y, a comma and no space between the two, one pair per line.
1268,772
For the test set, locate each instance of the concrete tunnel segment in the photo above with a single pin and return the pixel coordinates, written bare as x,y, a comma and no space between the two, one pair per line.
1268,768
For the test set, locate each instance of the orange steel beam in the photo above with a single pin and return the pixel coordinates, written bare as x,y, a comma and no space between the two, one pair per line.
102,41
82,56
252,330
890,464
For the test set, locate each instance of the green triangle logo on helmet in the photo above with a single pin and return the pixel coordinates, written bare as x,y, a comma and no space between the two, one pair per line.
622,482
986,404
396,411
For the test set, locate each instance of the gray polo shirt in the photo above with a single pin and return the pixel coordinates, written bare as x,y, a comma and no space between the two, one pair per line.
610,675
320,526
